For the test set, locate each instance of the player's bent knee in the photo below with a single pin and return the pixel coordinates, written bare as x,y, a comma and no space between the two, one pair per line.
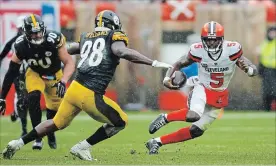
196,131
192,116
112,130
34,95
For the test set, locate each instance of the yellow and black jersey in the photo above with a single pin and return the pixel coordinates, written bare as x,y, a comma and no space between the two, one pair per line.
98,63
42,58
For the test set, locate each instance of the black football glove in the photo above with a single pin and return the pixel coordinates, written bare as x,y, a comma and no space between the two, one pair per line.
2,106
61,88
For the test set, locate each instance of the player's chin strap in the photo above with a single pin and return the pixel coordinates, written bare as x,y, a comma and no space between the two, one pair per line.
111,130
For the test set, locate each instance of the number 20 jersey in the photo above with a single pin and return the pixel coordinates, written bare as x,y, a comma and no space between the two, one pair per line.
42,58
215,72
98,63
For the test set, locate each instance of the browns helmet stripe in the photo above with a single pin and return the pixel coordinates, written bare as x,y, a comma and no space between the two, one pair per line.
212,28
33,20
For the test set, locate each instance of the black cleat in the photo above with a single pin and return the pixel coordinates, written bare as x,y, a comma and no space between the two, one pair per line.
37,145
156,124
14,117
52,140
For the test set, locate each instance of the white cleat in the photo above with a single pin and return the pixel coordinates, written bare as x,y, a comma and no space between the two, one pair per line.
81,153
11,148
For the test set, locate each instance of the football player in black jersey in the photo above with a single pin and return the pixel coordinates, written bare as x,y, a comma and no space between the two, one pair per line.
101,52
20,108
43,51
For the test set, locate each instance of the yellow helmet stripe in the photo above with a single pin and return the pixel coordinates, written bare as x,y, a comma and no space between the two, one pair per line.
33,20
101,18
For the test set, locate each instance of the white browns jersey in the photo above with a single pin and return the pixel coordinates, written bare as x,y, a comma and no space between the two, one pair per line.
216,71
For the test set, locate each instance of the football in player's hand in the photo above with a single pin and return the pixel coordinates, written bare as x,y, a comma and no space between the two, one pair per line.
179,78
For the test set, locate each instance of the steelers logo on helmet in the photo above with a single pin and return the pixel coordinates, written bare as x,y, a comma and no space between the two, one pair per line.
116,20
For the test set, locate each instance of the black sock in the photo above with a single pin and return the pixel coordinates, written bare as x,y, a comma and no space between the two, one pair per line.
97,137
30,136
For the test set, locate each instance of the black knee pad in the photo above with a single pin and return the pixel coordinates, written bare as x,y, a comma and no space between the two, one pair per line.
192,116
34,97
119,123
195,131
50,113
111,130
34,101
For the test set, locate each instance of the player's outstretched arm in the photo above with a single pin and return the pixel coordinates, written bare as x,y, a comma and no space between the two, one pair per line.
74,48
182,62
247,66
119,49
12,72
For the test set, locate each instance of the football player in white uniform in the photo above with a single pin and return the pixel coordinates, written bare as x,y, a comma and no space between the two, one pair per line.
217,60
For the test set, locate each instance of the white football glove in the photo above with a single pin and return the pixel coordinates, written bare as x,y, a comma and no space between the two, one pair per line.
156,63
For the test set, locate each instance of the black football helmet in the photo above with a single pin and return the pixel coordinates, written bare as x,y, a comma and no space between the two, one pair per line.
34,29
108,19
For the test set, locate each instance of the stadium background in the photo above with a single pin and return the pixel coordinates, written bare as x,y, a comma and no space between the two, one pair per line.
159,29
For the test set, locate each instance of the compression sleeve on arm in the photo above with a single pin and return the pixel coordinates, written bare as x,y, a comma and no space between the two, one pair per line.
11,74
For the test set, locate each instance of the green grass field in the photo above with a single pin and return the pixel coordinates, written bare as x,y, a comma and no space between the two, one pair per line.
239,138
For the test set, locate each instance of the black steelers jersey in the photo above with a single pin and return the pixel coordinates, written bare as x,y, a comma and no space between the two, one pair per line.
42,58
98,64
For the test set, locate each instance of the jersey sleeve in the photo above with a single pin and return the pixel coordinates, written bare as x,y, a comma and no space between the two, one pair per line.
19,48
235,50
120,36
194,52
55,39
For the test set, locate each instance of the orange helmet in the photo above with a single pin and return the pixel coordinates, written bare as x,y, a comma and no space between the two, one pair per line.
212,35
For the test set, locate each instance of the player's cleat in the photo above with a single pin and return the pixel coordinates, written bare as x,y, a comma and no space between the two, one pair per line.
14,117
52,141
153,146
156,124
11,148
37,145
81,153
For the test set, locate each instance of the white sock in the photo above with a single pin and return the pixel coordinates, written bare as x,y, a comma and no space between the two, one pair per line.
158,139
21,142
166,115
84,145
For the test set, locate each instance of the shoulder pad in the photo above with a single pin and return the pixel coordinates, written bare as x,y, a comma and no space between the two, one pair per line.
120,36
235,50
194,52
55,38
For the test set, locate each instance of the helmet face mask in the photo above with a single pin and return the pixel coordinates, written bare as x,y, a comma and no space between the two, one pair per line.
107,20
212,44
34,29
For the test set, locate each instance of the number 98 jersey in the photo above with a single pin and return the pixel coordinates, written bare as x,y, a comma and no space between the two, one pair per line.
98,63
43,58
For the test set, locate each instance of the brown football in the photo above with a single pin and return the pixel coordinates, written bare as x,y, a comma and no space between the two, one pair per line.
179,78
